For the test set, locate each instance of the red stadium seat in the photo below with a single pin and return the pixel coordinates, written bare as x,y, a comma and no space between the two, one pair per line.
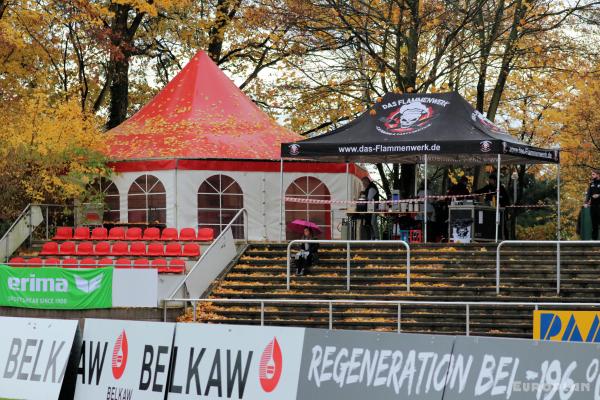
63,233
123,263
51,262
85,249
67,248
173,250
116,233
187,234
141,263
49,249
137,249
169,234
133,234
206,234
17,262
155,249
105,262
70,263
102,249
88,262
81,233
177,266
99,233
191,250
35,262
120,249
160,264
152,234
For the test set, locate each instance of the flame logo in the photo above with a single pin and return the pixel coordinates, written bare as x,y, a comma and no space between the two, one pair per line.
270,367
119,358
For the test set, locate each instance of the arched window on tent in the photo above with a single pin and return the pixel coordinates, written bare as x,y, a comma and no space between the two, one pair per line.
220,197
147,201
308,188
112,202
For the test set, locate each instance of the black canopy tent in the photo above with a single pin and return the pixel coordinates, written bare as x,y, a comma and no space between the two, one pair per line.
440,128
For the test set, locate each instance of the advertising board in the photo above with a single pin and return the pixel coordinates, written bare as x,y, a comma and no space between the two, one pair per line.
361,365
124,360
566,326
517,369
56,288
235,362
37,358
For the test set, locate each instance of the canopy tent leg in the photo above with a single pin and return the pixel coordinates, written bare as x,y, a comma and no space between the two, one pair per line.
347,196
417,167
347,183
281,202
558,216
498,197
425,204
558,228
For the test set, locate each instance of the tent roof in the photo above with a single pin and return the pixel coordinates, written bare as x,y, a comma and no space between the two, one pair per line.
404,127
200,113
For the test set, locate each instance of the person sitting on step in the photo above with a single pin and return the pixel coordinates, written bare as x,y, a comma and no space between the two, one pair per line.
308,253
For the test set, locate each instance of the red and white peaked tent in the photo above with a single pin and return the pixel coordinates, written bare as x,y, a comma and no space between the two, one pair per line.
201,149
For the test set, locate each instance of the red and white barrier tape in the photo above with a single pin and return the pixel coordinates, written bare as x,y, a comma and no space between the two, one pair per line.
418,199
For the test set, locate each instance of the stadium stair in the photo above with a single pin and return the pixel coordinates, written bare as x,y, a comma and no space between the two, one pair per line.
458,272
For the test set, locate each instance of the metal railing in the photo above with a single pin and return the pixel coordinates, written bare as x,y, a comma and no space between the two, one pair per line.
536,242
6,236
397,303
212,245
347,243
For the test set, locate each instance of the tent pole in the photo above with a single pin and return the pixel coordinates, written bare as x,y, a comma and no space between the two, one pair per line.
281,202
497,197
177,194
347,183
425,204
558,203
417,167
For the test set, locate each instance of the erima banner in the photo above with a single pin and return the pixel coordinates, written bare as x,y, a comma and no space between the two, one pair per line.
34,358
124,360
56,288
365,365
235,362
516,369
567,326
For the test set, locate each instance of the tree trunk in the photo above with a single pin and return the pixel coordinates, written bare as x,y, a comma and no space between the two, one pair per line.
507,57
225,12
3,7
119,92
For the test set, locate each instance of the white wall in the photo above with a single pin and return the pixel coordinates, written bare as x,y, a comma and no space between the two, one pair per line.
261,196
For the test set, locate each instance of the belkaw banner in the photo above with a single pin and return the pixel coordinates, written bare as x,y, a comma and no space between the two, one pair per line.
56,288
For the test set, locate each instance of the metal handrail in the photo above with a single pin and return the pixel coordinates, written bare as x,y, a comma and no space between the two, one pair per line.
6,235
557,242
21,215
397,303
347,243
207,251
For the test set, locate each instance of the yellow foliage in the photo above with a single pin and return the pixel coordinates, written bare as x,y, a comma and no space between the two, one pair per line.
49,152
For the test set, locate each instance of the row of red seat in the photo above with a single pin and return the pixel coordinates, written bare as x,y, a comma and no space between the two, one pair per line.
120,249
174,266
119,233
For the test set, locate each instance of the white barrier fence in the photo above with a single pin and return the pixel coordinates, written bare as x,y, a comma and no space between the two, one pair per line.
180,361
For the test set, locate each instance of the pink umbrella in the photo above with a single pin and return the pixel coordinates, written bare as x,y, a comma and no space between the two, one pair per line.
298,226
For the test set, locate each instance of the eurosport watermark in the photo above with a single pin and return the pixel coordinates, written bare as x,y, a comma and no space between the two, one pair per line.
424,148
550,388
